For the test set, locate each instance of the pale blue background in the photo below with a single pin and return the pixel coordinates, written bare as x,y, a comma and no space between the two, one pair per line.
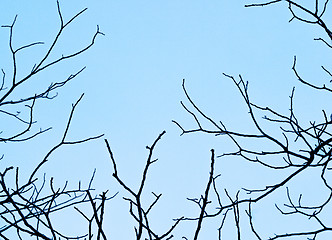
132,88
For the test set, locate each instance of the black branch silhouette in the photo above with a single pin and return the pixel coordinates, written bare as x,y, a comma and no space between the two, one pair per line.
298,146
136,208
27,206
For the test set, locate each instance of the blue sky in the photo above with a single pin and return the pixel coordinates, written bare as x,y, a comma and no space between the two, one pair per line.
132,88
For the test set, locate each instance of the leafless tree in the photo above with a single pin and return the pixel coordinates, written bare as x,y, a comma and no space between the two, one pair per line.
296,149
299,147
27,205
141,215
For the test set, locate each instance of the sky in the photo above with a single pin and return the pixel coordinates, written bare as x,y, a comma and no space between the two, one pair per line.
132,86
